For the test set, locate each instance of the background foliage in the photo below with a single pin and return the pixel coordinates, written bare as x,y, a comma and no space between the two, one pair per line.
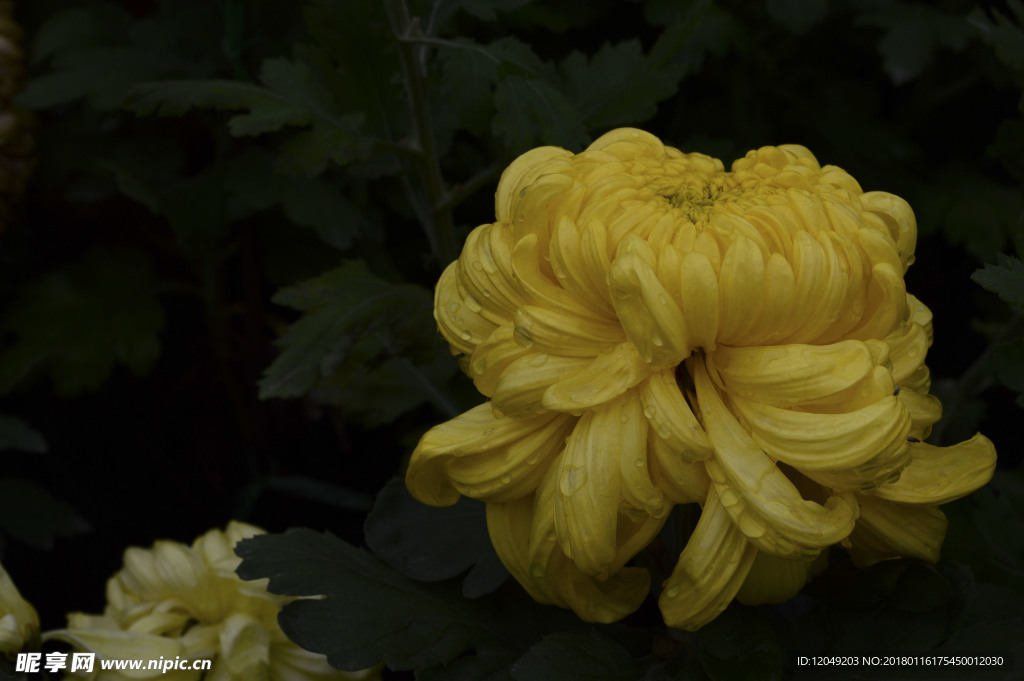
216,297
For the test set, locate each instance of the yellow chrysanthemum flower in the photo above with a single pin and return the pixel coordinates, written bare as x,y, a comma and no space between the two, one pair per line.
19,623
651,330
174,601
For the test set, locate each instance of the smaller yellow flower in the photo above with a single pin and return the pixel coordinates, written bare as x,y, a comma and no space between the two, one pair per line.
19,623
177,601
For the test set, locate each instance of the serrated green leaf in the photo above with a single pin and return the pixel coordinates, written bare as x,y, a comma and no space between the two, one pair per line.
486,10
79,28
530,110
1005,280
16,434
32,515
432,544
77,323
344,307
578,655
368,611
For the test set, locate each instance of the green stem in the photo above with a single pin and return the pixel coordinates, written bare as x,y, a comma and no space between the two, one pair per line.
435,218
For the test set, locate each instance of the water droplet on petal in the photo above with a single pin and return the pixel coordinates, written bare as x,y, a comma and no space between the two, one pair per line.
672,591
639,463
506,479
650,411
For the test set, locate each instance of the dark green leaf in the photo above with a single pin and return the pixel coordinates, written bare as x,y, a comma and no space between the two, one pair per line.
369,611
797,15
1005,279
530,110
911,35
31,514
1003,34
431,544
578,655
16,434
739,645
1010,365
77,323
343,307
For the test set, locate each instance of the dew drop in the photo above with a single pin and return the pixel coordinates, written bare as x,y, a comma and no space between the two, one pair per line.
538,360
573,479
639,463
624,418
466,335
506,479
672,591
473,304
478,266
650,411
489,431
453,307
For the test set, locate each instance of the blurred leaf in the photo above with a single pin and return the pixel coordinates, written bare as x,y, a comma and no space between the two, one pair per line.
346,309
1002,34
739,645
303,487
380,394
16,434
31,514
912,33
431,544
369,611
797,15
77,323
1006,279
1010,367
578,655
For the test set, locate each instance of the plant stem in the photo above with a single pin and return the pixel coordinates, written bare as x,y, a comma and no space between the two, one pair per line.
435,217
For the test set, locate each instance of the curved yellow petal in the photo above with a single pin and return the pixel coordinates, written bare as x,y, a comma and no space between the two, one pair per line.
492,356
710,570
681,480
741,286
590,482
898,217
793,373
700,297
887,529
484,271
744,473
523,382
475,432
574,270
774,580
523,172
908,345
458,317
650,317
638,491
937,475
925,410
554,332
826,442
671,417
605,378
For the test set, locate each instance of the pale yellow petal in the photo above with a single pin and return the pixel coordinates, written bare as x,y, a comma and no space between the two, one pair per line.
681,480
700,298
476,432
458,318
775,580
887,529
898,218
522,383
634,467
522,173
553,332
492,356
741,289
572,267
937,475
710,570
756,492
605,378
484,271
671,417
650,317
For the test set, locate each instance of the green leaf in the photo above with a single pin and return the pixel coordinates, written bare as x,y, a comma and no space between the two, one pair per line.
1005,279
1010,367
16,434
739,645
77,323
798,16
530,110
578,655
347,310
31,514
368,611
1003,34
912,33
432,544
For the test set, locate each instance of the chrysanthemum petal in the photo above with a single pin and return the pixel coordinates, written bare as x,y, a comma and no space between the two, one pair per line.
590,483
908,345
485,273
887,529
475,432
773,580
523,382
898,216
938,475
810,269
555,332
925,410
606,377
681,480
523,172
700,296
634,467
827,442
650,317
456,317
741,289
710,570
492,356
793,373
539,287
671,417
572,267
753,477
